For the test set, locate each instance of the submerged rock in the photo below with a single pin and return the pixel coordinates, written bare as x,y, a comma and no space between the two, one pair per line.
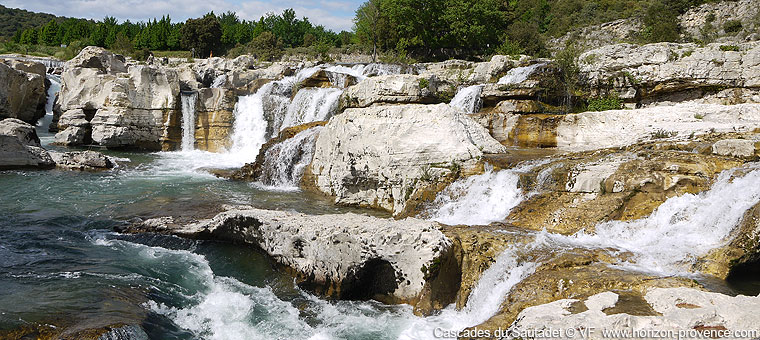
379,156
82,160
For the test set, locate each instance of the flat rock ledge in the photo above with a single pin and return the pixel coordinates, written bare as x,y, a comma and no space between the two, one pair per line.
686,311
343,256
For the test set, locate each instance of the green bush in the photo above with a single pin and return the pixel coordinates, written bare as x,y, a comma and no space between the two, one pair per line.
733,48
732,26
611,102
424,83
141,54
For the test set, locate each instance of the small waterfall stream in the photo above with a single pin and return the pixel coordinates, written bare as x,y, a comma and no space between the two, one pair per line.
285,162
468,99
188,120
52,93
519,74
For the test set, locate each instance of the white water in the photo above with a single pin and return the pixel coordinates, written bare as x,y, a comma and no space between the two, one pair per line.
519,74
480,199
216,307
52,93
484,301
285,162
249,132
311,105
468,99
219,81
684,228
188,121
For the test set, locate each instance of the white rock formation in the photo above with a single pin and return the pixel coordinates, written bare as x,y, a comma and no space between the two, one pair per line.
377,156
395,89
686,311
352,255
19,147
22,90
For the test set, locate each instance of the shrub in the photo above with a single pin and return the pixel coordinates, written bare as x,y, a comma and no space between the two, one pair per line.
733,48
732,26
610,102
141,54
266,47
424,83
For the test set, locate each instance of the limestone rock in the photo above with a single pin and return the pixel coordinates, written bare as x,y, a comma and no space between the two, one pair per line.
14,154
214,119
344,256
99,59
82,160
103,102
618,128
22,90
23,131
681,310
378,156
736,148
669,71
389,89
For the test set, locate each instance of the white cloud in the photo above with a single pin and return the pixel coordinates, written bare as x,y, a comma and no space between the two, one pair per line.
335,15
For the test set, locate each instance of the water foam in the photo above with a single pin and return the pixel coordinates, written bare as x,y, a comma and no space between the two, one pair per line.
682,229
480,199
285,162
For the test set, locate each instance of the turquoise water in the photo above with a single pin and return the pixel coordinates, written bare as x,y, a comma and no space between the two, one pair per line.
63,265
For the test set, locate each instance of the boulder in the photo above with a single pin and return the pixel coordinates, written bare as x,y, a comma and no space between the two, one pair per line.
103,102
389,89
14,154
379,156
23,131
746,148
100,59
82,160
346,256
22,90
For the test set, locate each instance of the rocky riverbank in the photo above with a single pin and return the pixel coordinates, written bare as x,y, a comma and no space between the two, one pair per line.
506,210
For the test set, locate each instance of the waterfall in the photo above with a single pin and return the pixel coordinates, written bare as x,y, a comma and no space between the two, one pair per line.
519,74
484,301
285,162
682,229
480,199
249,132
468,99
188,120
52,93
219,81
311,105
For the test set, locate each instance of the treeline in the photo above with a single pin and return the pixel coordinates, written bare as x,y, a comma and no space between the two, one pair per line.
13,20
212,33
441,29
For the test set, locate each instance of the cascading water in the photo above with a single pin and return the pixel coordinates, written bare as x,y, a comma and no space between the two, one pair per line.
285,162
188,120
219,81
468,99
682,229
519,74
480,199
52,93
311,105
249,131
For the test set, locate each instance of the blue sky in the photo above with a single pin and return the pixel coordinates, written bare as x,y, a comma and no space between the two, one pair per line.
333,14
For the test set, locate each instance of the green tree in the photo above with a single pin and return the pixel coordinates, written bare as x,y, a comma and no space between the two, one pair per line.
203,35
266,47
49,34
369,24
661,22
